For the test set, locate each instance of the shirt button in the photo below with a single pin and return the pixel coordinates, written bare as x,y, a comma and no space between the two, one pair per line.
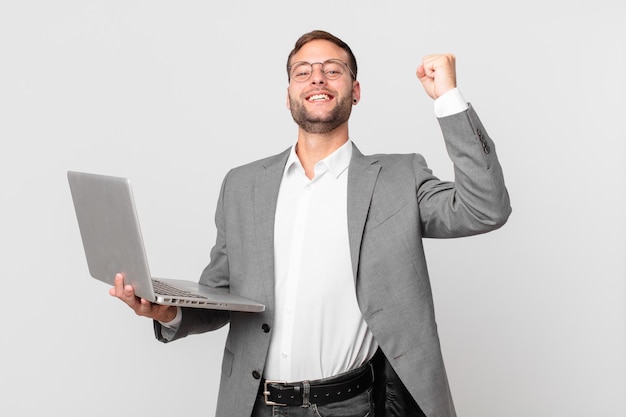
256,375
266,328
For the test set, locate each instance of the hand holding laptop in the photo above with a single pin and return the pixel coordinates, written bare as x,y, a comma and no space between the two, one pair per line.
141,306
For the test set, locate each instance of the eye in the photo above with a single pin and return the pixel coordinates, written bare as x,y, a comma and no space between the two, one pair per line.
301,71
333,69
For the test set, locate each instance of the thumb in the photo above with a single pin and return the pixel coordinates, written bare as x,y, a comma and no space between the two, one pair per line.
420,72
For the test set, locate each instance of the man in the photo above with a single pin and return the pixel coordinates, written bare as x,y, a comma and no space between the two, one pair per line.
330,241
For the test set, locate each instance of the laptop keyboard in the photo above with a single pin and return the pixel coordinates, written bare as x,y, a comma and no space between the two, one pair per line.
166,289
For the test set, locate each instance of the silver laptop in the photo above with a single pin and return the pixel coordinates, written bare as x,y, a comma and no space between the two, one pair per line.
113,243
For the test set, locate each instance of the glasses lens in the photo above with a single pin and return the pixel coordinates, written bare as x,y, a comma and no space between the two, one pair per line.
333,69
301,71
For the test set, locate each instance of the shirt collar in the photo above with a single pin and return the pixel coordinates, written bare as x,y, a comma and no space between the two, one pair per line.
336,162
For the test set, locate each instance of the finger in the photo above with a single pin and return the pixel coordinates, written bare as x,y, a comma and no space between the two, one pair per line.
430,68
144,308
421,72
439,62
118,286
129,292
124,292
429,63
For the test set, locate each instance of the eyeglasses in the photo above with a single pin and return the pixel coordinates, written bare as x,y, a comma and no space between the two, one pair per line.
333,68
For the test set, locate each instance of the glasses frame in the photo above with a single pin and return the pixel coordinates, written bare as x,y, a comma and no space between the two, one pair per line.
322,64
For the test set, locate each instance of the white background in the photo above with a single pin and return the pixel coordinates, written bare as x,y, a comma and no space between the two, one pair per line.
173,94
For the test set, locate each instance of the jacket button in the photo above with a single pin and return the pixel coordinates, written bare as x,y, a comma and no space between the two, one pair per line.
256,375
483,142
266,328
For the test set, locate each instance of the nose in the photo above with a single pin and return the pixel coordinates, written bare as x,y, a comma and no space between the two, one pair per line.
317,73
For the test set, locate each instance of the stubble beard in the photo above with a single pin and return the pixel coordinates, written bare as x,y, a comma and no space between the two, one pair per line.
320,124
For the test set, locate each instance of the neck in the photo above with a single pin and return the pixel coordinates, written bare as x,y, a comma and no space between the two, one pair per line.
313,147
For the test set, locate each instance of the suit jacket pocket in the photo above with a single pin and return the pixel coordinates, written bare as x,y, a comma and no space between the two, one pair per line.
380,214
227,363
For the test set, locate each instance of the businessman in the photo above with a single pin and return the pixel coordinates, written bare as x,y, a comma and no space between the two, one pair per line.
330,240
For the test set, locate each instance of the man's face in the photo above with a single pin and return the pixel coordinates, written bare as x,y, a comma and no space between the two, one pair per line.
320,105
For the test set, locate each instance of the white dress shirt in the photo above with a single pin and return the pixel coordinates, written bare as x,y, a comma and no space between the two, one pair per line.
318,328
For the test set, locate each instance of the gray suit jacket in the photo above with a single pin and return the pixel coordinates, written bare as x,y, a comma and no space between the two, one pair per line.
393,202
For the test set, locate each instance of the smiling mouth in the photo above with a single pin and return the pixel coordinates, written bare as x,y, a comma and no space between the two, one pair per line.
319,97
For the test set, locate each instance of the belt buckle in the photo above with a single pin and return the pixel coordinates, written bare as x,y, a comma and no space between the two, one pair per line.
266,392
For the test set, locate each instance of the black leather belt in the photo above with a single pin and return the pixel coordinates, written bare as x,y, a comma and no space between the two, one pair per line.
317,392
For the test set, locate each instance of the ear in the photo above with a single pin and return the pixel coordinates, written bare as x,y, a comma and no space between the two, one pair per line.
356,92
288,101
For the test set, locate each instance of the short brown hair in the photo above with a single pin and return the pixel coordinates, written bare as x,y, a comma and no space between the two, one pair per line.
320,34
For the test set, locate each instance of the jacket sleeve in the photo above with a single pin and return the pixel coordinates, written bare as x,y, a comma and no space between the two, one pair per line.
477,201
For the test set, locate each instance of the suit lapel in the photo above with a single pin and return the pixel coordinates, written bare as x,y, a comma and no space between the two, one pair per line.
267,185
362,176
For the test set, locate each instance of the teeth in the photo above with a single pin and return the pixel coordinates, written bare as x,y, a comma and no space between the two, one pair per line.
318,97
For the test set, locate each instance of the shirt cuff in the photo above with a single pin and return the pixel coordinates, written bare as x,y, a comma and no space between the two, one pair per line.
449,103
175,322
